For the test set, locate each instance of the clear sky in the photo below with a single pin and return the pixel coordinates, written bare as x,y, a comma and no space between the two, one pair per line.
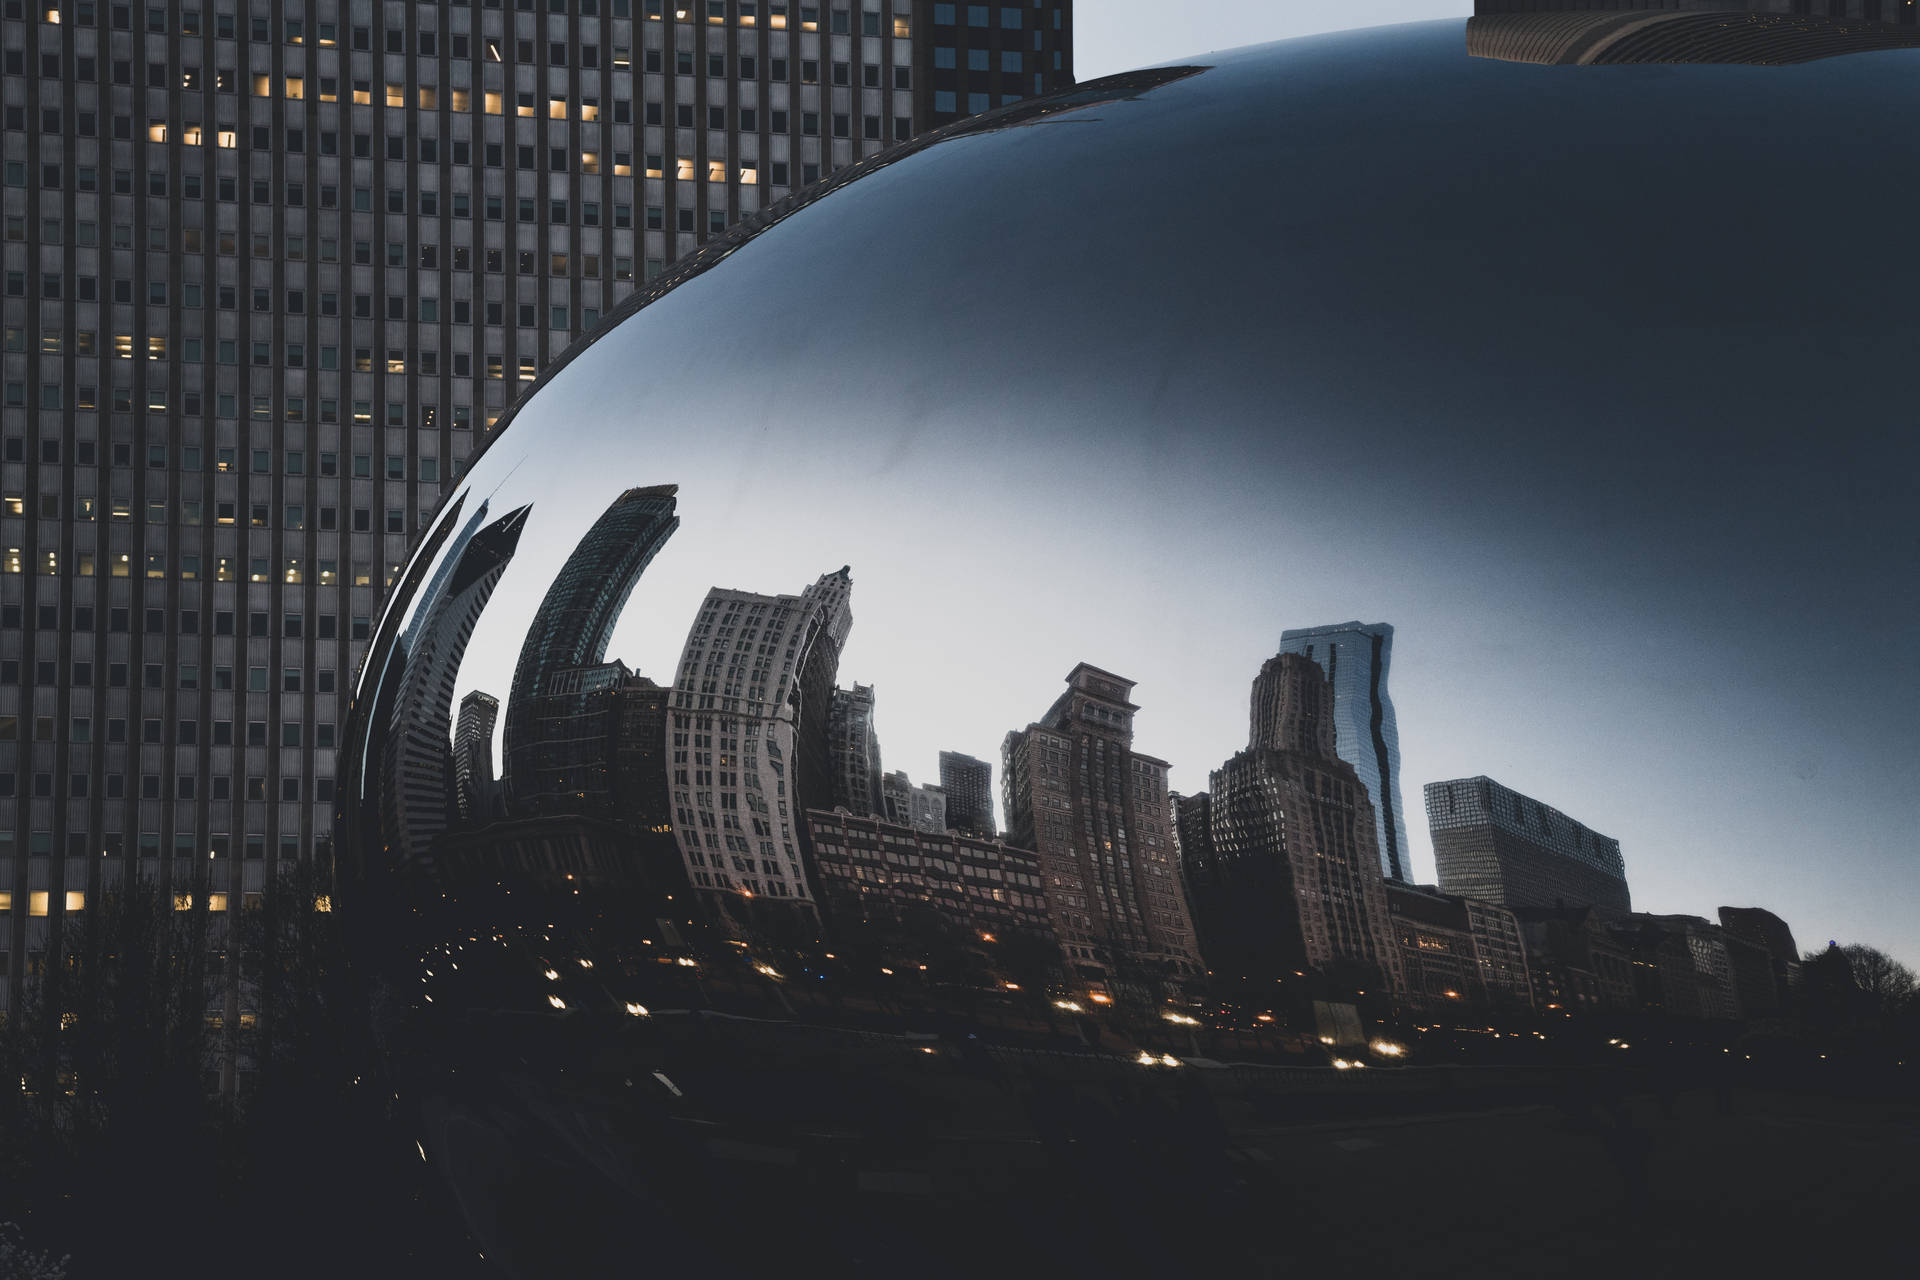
1119,35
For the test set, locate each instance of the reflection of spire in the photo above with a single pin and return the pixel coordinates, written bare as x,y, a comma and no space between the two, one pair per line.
1599,33
577,616
418,774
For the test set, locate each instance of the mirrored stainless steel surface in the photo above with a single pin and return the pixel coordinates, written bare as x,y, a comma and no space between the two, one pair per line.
1559,368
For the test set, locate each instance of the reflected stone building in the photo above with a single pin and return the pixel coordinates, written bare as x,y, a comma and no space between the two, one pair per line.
922,807
754,687
897,883
1459,952
1355,657
856,752
1294,880
1096,812
1492,843
969,786
577,616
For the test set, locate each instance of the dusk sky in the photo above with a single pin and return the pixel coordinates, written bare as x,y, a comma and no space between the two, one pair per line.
1149,383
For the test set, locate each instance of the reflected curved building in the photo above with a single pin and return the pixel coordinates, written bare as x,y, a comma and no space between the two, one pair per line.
1369,325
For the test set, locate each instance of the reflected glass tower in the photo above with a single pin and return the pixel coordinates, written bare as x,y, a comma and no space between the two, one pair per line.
1355,657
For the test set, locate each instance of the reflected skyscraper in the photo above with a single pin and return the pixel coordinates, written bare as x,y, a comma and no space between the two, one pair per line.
1294,878
969,786
418,789
753,688
473,779
856,751
577,616
1355,657
1096,812
1493,843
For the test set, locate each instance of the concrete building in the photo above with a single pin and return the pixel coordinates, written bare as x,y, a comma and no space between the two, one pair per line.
270,277
747,699
921,807
1096,812
1492,843
968,784
1355,657
1296,880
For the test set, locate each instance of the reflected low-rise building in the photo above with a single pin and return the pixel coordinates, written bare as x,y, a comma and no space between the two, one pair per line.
900,884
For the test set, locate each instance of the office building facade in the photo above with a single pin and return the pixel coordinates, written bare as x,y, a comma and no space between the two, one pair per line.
270,275
1492,843
1097,813
1355,657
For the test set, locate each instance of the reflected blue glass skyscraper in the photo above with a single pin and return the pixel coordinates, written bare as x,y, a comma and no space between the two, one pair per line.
1355,656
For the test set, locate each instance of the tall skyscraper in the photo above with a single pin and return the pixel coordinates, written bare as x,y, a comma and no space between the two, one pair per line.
417,786
473,774
269,279
1096,812
739,720
1295,878
1495,844
1355,657
856,752
969,786
577,616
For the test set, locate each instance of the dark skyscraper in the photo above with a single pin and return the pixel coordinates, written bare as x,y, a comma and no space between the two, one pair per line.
969,786
473,774
1355,657
1295,876
1497,845
856,752
577,616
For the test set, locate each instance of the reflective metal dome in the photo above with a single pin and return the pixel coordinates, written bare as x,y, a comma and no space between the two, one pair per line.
1572,369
